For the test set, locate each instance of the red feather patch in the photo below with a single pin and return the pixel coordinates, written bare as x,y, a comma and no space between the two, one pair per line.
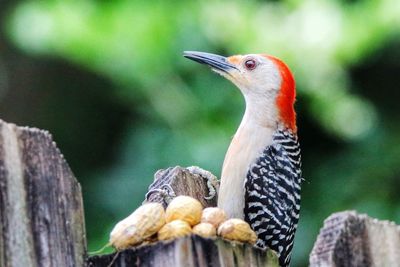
287,94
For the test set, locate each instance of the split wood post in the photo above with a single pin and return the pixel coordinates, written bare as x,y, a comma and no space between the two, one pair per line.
41,211
349,239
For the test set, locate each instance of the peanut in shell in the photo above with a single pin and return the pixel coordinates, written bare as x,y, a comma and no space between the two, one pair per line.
206,230
213,215
140,225
237,230
174,229
184,208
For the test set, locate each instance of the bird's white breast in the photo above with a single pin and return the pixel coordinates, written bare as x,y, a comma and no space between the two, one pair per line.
248,143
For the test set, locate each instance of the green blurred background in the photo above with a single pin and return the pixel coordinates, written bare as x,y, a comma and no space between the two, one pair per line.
108,80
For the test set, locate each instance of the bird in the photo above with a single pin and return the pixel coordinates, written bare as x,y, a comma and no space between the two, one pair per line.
261,174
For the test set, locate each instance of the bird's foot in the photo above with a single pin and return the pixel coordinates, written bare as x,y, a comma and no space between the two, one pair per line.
165,192
212,181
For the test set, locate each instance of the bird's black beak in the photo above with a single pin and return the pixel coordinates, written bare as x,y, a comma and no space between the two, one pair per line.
215,61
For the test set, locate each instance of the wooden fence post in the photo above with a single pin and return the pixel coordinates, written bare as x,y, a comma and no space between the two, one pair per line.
189,251
41,211
349,239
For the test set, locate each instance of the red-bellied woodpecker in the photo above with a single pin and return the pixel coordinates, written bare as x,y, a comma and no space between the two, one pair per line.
261,174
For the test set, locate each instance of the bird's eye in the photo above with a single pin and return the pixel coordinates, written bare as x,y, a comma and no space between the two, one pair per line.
250,64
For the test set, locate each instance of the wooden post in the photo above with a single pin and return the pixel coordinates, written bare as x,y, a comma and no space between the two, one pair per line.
350,239
189,251
41,211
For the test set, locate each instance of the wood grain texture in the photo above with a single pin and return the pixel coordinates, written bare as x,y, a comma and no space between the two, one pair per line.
350,239
41,210
191,181
189,251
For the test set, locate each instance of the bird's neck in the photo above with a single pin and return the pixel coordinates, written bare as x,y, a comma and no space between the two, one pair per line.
260,111
252,137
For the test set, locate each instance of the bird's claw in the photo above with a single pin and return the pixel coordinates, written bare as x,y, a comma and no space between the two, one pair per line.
212,181
165,191
212,190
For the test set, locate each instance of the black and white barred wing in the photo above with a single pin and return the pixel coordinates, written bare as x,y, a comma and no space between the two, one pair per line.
272,195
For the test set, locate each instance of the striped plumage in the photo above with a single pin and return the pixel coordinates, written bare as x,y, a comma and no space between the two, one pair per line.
261,176
272,194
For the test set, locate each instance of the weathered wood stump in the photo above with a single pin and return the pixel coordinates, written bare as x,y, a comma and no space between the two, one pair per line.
349,239
189,251
191,181
41,211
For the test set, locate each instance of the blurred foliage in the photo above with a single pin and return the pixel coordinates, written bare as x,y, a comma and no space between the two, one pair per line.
150,108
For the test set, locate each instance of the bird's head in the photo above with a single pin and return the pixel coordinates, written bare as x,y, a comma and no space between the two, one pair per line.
265,81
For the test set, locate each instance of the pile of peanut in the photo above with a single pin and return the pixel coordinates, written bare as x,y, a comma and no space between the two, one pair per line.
183,216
